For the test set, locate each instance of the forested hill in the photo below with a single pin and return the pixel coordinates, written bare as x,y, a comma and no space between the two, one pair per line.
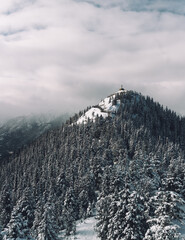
124,157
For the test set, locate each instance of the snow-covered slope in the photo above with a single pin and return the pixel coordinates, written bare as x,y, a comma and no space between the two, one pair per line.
107,107
84,230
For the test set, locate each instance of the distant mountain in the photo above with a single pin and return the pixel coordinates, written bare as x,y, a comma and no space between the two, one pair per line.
20,131
122,160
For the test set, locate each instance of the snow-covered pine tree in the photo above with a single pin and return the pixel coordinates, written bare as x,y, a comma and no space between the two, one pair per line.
1,236
38,213
83,204
135,224
17,227
70,212
166,206
6,206
47,228
121,215
103,216
22,217
161,228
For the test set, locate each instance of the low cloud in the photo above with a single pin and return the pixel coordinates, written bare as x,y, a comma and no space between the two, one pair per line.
66,55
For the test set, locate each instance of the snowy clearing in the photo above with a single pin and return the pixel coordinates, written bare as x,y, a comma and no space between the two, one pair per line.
84,230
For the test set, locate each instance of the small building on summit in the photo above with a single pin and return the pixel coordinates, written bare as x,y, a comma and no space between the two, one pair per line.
121,88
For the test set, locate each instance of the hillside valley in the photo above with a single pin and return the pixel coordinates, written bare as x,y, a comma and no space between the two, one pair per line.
18,132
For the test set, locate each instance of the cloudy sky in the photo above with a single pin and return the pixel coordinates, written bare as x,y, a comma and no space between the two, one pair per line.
63,55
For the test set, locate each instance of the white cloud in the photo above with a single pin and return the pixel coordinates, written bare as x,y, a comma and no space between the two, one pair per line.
65,55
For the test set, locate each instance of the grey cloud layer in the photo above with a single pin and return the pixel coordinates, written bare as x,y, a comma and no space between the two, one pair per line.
65,55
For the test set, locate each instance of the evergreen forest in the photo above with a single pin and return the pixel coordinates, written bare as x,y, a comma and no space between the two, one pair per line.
127,169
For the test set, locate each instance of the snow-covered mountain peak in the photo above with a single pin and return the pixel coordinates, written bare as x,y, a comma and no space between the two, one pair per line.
107,107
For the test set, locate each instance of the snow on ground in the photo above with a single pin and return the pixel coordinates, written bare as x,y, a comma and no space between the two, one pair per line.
91,114
84,231
104,109
107,104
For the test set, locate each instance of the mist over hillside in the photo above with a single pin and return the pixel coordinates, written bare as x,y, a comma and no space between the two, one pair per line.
18,132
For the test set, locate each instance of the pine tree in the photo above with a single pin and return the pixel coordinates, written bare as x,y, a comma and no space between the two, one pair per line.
47,228
134,222
121,216
70,212
103,216
6,206
161,228
22,217
18,227
166,206
26,206
1,236
38,213
83,204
